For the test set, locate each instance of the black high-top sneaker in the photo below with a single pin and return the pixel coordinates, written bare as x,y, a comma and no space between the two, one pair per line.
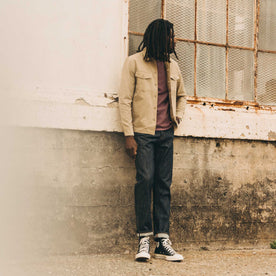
165,251
143,254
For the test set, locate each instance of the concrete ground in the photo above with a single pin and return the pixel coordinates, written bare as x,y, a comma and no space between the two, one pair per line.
228,262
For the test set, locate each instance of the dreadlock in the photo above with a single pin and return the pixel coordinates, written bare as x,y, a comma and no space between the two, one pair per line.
158,41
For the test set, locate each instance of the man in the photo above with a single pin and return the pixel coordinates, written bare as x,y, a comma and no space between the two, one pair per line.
151,103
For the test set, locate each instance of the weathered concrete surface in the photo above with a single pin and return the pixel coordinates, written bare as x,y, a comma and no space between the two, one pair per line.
212,263
73,192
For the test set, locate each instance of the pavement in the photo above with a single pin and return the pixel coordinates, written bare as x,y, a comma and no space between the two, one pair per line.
196,262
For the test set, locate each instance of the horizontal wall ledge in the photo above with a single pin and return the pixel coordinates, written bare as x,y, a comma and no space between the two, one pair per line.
203,119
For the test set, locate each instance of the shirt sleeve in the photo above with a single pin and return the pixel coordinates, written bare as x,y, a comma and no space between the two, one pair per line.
126,92
180,96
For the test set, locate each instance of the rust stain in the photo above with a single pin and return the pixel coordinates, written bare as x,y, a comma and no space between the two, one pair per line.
226,109
228,103
272,135
163,10
227,51
195,48
256,44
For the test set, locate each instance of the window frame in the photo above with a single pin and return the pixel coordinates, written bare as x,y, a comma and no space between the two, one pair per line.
256,50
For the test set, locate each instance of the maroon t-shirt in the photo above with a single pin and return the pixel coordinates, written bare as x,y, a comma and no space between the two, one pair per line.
163,121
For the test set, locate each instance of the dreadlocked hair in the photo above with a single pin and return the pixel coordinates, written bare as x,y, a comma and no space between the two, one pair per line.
158,41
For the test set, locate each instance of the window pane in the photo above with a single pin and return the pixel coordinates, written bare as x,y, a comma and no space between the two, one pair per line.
266,81
142,12
211,20
182,14
210,79
134,41
241,23
185,53
267,25
241,75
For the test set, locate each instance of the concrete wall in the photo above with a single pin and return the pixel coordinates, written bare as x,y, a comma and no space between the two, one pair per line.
73,192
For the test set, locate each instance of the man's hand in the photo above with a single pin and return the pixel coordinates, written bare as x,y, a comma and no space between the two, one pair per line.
131,146
178,120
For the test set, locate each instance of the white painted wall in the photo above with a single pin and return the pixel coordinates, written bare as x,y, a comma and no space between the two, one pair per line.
59,58
59,48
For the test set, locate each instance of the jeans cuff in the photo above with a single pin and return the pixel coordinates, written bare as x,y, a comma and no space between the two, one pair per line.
161,235
140,235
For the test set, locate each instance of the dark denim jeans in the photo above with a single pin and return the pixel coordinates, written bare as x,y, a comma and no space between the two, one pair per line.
154,163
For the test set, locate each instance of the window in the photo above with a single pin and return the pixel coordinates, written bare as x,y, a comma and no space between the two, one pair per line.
226,48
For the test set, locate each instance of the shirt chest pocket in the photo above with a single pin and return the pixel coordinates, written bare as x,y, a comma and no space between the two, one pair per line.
143,81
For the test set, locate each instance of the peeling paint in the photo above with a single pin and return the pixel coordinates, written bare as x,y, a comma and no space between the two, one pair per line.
272,135
112,96
81,101
229,103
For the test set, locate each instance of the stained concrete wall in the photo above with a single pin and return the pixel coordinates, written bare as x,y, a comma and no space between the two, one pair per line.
72,191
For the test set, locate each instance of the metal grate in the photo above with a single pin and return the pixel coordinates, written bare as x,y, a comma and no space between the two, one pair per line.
267,28
185,53
182,14
210,15
210,68
142,12
134,41
267,79
241,75
241,23
226,48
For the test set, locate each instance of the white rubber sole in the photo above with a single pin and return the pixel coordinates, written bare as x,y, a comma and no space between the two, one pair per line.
175,258
142,257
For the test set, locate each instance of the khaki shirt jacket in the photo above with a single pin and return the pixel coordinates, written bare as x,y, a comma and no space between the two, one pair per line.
138,94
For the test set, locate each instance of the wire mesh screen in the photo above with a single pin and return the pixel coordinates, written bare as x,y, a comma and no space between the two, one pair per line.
266,84
210,70
248,62
267,25
241,75
182,14
185,53
134,41
241,23
211,20
142,12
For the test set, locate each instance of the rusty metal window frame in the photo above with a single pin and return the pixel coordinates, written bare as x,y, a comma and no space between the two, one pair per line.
238,103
